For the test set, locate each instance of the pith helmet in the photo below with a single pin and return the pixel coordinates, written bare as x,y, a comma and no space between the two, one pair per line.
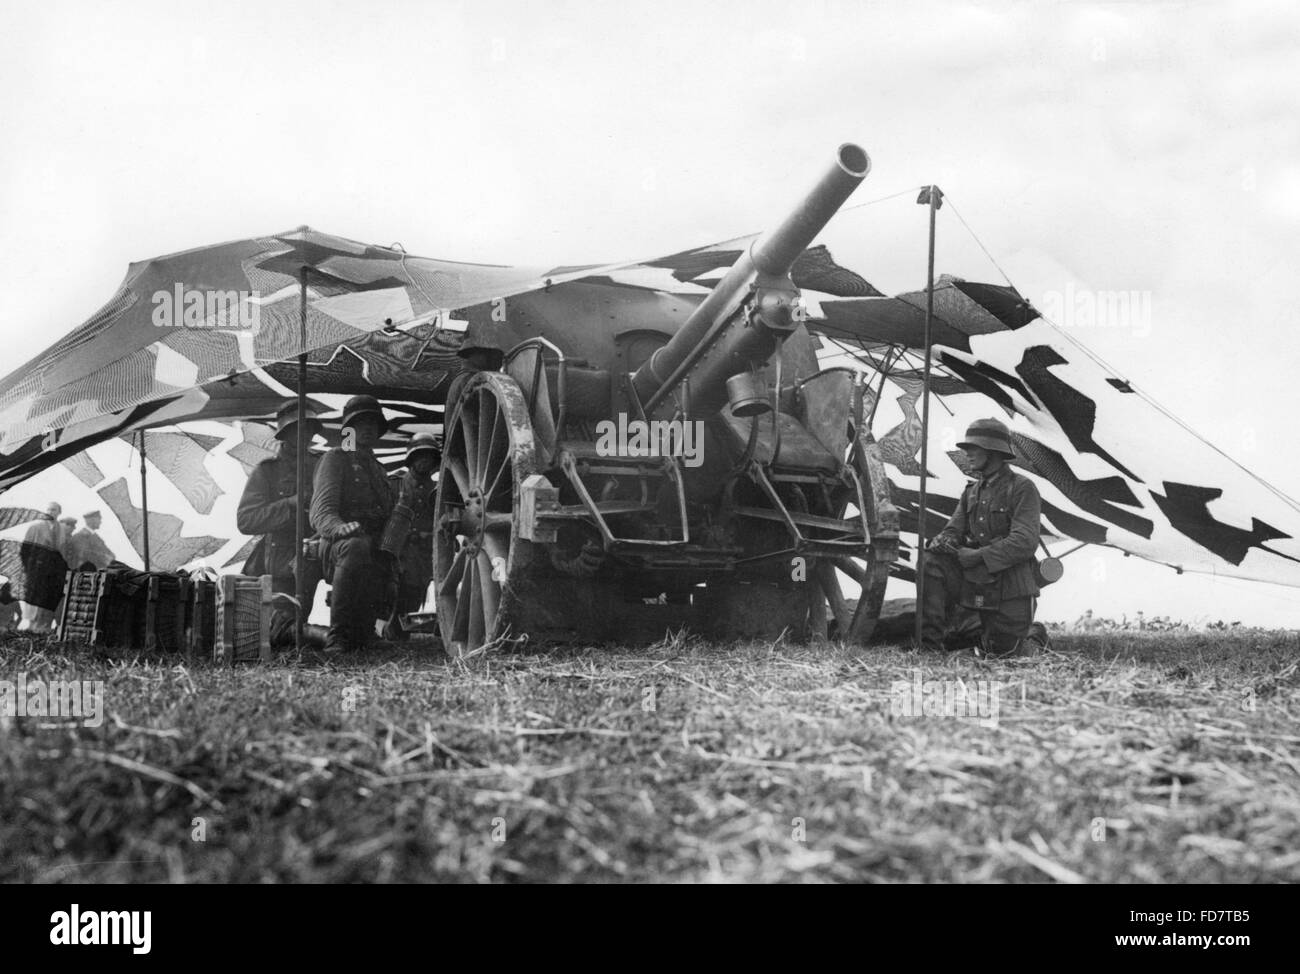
286,417
991,434
359,406
422,443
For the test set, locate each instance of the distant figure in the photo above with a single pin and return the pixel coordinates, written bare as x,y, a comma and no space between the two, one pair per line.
9,611
67,526
1086,623
89,552
1141,622
43,570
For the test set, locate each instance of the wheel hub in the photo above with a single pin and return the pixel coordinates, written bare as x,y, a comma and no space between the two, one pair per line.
472,520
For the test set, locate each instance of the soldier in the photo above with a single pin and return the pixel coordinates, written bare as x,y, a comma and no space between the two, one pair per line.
479,354
67,528
90,552
10,611
43,570
983,560
416,492
269,507
349,508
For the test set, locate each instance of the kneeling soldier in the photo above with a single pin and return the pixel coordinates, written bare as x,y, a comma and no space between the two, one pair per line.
983,560
350,505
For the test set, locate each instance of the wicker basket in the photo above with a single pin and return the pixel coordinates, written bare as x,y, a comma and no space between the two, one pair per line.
97,612
161,626
243,619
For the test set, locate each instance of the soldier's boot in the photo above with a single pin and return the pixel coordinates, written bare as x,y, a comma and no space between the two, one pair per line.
394,631
283,625
1035,641
1026,647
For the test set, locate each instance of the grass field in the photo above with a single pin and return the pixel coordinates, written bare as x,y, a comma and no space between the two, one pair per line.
1134,758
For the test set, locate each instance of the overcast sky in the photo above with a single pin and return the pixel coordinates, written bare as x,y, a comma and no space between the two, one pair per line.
1151,147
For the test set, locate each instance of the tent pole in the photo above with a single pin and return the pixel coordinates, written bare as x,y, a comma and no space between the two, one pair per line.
144,501
300,526
933,196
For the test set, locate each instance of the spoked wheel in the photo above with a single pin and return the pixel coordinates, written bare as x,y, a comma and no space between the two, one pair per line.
855,616
488,449
839,578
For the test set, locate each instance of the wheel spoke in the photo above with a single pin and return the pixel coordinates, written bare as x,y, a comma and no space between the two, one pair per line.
460,475
469,430
486,404
491,590
497,520
475,592
454,574
830,583
497,548
851,568
498,460
460,622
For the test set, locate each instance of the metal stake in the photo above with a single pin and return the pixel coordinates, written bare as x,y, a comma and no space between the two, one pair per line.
933,197
144,500
300,523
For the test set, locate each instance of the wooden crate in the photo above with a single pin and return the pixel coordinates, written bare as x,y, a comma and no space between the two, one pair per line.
161,626
243,621
96,611
201,620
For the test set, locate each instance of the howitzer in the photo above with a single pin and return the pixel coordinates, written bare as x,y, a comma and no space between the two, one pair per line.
549,526
753,309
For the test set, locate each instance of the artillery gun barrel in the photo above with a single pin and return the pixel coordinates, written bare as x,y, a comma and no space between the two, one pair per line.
728,333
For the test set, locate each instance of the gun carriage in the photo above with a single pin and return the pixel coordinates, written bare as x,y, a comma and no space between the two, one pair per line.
640,461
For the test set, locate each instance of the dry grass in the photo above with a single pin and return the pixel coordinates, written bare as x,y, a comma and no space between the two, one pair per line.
1123,757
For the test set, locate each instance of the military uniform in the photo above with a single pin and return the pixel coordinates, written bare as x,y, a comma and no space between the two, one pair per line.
415,565
89,551
998,515
269,507
43,572
352,486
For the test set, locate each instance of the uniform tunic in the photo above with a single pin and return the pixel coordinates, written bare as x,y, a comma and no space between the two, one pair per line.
88,548
416,562
999,517
269,507
351,485
43,564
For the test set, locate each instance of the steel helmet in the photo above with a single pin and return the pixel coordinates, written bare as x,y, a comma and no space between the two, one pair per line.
992,435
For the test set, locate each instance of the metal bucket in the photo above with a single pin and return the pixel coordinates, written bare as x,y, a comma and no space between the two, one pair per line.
746,396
